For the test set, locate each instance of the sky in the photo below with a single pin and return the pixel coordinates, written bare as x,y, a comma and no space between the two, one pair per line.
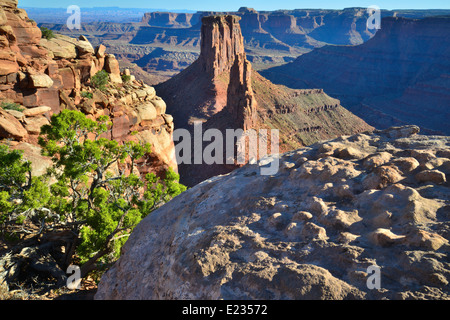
234,5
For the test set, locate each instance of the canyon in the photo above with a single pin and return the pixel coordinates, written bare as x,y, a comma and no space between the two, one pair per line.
351,192
164,43
384,79
400,76
222,91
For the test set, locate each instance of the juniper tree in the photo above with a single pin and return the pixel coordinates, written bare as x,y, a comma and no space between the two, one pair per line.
98,194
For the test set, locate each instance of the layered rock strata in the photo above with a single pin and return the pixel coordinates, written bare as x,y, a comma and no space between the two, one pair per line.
400,76
221,90
40,77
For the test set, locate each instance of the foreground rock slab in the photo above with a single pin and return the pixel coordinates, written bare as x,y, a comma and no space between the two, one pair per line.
333,212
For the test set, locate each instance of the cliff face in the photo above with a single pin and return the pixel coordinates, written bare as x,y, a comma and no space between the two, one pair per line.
46,76
221,90
399,76
221,44
241,102
222,53
170,19
219,78
281,30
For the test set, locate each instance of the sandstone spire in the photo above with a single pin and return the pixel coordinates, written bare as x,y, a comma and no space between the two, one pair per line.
241,102
221,90
219,80
222,52
221,43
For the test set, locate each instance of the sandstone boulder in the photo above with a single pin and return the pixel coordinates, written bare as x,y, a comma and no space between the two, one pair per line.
35,124
146,112
10,127
100,51
40,81
3,19
150,92
36,111
309,231
10,3
434,176
69,78
26,33
385,238
59,48
8,67
17,114
382,177
112,67
84,47
31,152
160,105
400,132
68,48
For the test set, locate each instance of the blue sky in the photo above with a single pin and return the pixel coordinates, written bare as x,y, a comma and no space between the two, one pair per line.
233,5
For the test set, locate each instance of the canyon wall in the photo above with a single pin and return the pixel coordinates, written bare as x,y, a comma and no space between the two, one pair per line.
44,76
170,19
276,30
400,76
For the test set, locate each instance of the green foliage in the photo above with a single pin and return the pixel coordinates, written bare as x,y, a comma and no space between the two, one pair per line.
98,194
11,106
86,94
14,171
6,206
97,184
100,80
19,192
47,33
126,78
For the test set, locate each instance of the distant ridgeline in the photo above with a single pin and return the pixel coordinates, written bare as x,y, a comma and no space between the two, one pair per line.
291,31
270,37
89,15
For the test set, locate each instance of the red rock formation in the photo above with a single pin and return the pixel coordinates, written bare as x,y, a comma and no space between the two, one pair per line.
221,90
221,44
241,102
222,52
45,76
221,77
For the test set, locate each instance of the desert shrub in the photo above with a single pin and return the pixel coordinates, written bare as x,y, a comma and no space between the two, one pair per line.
86,94
20,193
100,79
126,78
97,195
47,33
11,106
